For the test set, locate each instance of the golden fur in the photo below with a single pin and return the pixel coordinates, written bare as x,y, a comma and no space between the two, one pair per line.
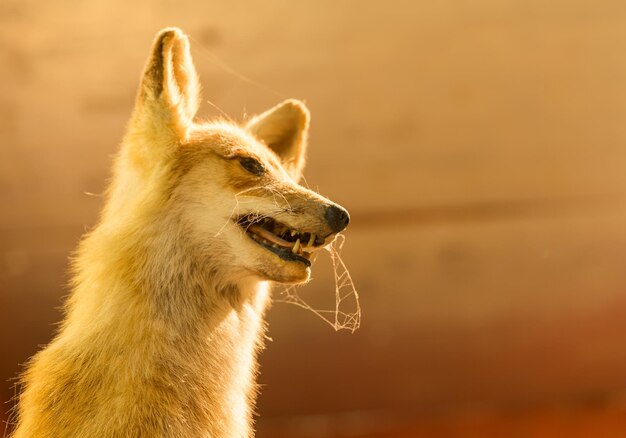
166,312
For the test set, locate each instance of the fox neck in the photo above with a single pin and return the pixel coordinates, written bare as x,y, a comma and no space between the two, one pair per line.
182,320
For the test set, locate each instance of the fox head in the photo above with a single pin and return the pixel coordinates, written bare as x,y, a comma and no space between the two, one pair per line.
230,193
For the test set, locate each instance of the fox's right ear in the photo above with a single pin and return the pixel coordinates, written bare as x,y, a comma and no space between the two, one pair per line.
169,92
284,129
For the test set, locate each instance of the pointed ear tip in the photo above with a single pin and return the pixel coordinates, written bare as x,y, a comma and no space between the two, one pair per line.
299,107
296,104
170,33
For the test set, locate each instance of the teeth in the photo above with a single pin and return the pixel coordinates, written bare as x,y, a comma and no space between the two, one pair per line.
268,235
275,235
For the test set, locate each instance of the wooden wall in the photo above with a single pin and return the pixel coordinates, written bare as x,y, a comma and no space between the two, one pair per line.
480,147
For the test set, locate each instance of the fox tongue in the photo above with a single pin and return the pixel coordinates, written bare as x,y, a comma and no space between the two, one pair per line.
268,235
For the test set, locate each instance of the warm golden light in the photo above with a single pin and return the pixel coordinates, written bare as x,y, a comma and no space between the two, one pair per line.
480,148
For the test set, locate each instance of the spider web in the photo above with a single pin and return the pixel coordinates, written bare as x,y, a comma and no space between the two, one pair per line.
347,312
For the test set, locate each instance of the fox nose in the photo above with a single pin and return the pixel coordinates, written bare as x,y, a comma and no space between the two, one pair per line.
337,218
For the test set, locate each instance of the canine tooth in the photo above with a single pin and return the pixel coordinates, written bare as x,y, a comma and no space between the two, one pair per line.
293,233
311,240
296,247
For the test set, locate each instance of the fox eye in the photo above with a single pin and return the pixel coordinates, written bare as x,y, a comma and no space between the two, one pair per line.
252,165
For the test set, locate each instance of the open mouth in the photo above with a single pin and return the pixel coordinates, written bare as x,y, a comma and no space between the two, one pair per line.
288,244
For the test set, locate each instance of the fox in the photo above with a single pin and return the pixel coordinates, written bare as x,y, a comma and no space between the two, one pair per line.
166,313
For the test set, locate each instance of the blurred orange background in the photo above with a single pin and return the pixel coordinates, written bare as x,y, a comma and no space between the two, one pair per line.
479,146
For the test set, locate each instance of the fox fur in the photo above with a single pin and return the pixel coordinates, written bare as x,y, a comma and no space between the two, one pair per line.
165,317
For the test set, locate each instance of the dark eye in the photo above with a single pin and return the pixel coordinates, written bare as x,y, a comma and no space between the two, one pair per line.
252,165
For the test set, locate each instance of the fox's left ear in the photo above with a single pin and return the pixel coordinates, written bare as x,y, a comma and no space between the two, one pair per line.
169,91
284,129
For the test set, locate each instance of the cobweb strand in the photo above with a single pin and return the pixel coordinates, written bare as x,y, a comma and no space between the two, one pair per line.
338,318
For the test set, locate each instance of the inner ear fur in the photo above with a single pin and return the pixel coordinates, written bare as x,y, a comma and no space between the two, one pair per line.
169,91
284,129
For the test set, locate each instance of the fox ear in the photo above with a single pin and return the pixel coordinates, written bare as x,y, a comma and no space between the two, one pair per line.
284,129
169,92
